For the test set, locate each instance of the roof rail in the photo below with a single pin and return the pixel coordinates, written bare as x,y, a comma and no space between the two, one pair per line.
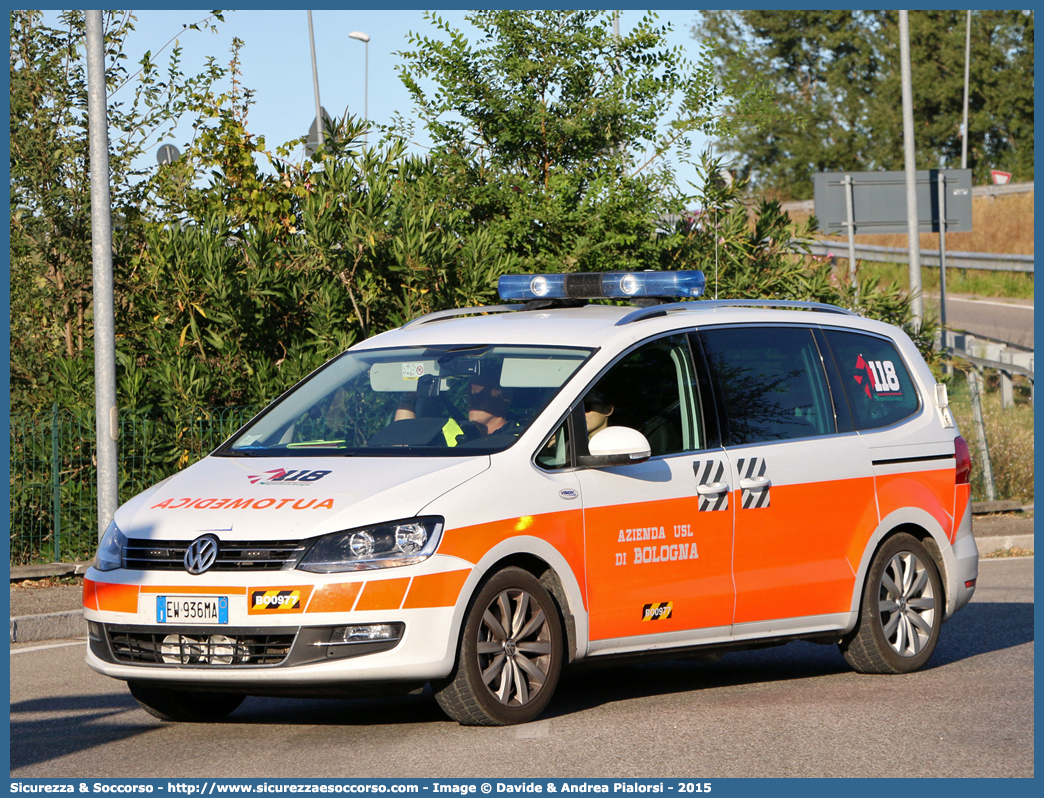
447,314
714,304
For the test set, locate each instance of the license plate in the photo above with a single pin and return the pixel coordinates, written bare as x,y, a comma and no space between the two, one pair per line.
192,609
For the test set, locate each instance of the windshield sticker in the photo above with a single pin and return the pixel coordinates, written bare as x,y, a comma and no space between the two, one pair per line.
242,504
878,378
411,372
280,476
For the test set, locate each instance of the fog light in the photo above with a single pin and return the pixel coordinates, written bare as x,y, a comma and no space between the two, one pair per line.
366,633
94,630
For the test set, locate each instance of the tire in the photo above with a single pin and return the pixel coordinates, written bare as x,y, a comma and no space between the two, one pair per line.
507,670
184,705
901,610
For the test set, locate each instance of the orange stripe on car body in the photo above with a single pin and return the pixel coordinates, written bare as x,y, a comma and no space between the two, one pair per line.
337,597
792,558
564,530
90,597
116,598
931,491
435,590
382,594
700,587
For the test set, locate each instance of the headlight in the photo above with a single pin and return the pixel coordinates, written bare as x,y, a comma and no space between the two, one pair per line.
385,546
110,549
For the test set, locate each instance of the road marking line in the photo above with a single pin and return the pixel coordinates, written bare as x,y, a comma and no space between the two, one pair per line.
989,302
79,642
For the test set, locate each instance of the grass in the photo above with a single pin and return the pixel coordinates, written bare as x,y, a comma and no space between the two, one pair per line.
1014,551
1018,285
1009,436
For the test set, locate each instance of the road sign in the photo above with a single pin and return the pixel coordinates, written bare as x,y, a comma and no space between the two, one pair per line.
879,201
312,142
167,154
1000,178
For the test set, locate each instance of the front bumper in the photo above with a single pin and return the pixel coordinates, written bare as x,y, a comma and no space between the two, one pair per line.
265,644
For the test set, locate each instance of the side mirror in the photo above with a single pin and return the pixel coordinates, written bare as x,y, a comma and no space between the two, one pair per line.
616,446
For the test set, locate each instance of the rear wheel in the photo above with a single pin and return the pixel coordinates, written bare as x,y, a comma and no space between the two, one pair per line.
184,705
510,654
901,610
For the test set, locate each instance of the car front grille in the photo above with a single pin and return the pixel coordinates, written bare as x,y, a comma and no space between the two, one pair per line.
233,555
200,648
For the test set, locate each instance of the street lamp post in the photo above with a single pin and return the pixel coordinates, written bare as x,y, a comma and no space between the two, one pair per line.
315,84
362,37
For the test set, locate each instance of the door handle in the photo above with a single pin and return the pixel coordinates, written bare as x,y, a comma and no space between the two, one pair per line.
713,489
755,483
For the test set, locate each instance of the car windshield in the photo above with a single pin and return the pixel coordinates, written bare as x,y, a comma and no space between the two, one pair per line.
445,401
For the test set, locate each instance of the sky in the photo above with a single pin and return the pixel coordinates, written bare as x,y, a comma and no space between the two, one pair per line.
276,62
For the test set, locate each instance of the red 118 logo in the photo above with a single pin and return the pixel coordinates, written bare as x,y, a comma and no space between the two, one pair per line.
879,375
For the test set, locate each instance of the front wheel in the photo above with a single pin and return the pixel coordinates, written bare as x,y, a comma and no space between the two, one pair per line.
510,654
901,610
183,705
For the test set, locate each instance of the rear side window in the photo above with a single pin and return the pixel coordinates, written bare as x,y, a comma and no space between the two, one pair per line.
771,383
879,389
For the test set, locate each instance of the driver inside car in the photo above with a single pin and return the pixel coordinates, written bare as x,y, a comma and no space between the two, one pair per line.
489,412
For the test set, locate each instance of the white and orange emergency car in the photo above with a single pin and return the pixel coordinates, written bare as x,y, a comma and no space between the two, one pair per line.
481,497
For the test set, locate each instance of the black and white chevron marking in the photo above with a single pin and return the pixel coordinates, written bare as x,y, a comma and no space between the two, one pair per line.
749,468
707,473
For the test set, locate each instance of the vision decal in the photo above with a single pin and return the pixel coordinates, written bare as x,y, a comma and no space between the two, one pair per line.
265,601
657,612
711,474
242,504
752,468
646,555
878,377
280,476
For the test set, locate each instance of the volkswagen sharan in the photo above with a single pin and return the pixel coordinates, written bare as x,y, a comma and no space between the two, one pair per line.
482,497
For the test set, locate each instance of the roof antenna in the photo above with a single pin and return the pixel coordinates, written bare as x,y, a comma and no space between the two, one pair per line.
715,253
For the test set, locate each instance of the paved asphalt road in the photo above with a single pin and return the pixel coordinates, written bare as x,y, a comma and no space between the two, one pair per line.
790,711
1009,320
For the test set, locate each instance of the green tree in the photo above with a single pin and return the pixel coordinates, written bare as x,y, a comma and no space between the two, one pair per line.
549,133
51,275
839,72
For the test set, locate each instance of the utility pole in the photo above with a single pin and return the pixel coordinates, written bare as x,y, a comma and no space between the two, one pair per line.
967,63
913,228
315,84
107,425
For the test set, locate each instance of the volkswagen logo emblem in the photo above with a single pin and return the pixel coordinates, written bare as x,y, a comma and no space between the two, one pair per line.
201,554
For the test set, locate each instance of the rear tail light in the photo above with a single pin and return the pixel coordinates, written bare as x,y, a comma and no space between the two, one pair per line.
963,460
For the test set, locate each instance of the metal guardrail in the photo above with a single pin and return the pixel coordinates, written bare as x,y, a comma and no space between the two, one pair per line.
987,261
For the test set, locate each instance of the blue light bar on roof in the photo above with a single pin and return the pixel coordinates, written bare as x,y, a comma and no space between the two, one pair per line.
602,285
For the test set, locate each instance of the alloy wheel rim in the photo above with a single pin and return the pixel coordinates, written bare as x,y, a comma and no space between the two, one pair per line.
514,647
907,604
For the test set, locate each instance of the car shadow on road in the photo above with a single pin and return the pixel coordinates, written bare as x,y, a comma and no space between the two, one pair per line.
78,723
72,724
979,628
